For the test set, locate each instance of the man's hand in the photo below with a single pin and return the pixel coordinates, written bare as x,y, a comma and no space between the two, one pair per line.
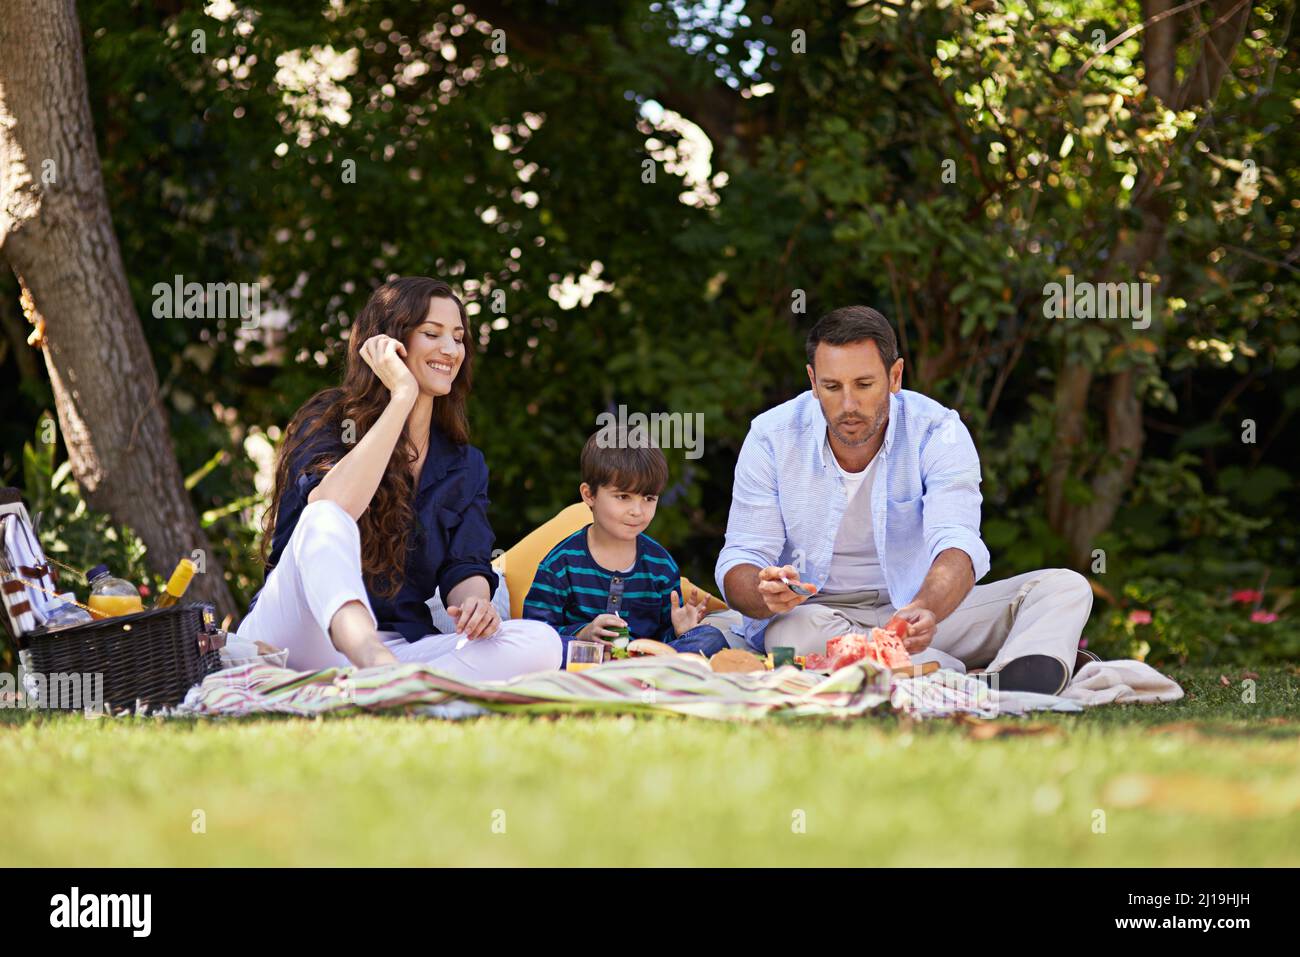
685,617
921,627
775,593
946,585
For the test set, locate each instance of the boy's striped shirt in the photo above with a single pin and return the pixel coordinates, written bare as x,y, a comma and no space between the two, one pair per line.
571,589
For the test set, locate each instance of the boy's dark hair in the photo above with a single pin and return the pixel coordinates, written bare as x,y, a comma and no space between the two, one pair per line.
854,324
628,462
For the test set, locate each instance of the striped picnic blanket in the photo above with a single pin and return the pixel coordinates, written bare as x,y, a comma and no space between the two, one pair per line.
646,685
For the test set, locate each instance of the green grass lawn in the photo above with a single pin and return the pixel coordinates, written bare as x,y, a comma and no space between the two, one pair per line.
1219,787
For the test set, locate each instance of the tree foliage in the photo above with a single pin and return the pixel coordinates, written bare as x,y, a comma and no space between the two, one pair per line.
942,161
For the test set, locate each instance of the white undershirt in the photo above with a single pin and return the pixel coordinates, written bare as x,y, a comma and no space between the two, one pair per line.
855,566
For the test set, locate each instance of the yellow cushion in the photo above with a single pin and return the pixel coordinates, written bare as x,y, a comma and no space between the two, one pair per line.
519,564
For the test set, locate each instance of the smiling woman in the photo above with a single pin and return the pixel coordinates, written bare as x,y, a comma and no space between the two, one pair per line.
379,500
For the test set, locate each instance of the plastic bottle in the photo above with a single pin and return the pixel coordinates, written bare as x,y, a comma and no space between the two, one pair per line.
67,614
109,596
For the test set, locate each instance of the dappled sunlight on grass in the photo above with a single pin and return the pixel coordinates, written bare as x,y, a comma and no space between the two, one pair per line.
1191,783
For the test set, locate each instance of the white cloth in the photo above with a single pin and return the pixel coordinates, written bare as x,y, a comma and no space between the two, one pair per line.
320,571
943,692
22,549
1121,681
855,562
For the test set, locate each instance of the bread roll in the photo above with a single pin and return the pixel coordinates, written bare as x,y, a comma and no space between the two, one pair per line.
648,646
736,660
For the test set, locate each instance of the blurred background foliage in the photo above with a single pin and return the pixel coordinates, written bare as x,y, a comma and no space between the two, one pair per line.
941,161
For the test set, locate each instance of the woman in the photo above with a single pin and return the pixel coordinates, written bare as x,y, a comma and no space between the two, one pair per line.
385,459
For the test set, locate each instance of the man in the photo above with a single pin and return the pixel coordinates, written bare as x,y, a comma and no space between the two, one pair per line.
871,493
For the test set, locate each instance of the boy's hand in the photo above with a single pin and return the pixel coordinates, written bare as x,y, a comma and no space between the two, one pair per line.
685,617
601,627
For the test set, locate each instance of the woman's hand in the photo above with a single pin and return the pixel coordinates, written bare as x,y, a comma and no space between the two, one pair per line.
685,617
475,618
384,355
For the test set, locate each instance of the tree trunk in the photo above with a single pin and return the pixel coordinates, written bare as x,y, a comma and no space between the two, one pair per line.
57,235
1079,523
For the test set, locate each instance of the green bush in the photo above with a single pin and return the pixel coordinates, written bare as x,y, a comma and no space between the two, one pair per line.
1189,626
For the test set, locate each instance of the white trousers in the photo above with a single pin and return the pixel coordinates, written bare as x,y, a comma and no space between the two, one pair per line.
1037,613
320,571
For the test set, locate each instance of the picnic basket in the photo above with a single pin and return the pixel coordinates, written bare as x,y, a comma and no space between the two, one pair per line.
145,661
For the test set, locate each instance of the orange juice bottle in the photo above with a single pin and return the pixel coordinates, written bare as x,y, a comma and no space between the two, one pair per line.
111,596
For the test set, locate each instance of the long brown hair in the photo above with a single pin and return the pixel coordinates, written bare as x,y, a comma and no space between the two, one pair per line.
395,309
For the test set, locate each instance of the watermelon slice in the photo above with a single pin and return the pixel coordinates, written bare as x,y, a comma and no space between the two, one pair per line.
899,626
846,649
887,649
880,646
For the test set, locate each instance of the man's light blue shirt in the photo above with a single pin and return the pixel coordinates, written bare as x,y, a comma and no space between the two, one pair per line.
788,497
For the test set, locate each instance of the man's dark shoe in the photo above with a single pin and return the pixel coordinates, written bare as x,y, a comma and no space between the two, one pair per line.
1041,674
1082,658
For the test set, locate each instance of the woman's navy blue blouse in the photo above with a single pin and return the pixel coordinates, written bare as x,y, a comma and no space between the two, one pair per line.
451,541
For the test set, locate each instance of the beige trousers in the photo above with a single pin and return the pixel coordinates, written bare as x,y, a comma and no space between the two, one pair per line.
1038,613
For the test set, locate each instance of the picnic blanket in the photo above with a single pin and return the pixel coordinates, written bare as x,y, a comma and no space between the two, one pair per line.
1123,681
637,685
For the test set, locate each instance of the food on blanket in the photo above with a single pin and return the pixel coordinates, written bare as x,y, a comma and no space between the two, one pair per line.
881,646
846,649
782,655
816,662
648,646
735,660
887,648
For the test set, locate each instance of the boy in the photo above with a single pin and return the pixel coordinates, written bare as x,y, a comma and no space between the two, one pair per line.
610,574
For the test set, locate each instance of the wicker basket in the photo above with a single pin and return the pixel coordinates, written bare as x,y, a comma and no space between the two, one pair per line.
149,659
146,660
